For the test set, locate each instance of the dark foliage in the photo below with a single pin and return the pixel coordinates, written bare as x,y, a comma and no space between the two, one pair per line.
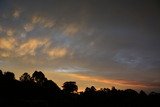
38,91
70,87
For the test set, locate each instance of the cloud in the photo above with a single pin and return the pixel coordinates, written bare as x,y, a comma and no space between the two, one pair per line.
10,32
128,58
57,52
28,27
7,43
1,29
4,54
7,31
116,41
1,62
49,24
71,29
43,21
30,46
38,21
134,59
74,69
16,13
23,35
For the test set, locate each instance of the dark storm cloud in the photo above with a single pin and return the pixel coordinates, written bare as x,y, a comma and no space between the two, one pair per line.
111,38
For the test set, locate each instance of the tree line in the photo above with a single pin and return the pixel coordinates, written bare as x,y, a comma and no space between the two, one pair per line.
36,90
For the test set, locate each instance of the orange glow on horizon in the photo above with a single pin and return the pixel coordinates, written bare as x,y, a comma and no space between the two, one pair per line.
110,81
84,81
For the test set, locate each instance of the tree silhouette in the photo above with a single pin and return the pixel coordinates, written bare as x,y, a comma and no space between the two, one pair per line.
25,78
70,87
9,75
90,90
142,93
39,91
131,92
38,77
51,86
1,74
104,89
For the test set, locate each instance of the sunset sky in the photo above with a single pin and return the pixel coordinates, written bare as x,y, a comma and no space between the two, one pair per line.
103,43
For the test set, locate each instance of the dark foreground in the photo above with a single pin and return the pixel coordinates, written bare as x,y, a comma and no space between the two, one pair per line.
38,91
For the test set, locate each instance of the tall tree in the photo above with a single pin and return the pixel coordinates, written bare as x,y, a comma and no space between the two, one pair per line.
9,75
25,77
38,77
70,87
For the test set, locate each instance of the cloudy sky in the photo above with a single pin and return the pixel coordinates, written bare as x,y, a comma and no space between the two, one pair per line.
94,42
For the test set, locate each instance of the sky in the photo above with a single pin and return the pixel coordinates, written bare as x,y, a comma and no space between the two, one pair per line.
103,43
